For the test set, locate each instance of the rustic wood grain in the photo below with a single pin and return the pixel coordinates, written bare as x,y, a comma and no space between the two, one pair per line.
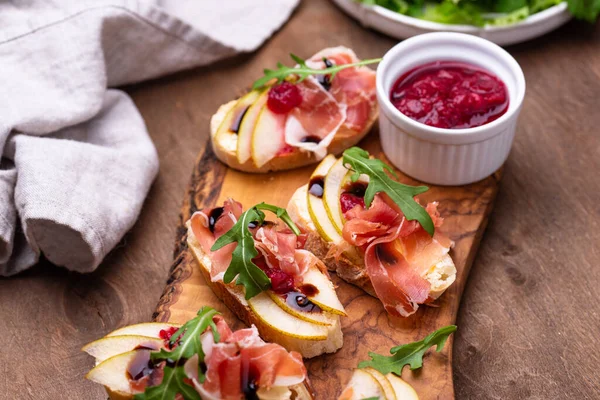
529,317
367,328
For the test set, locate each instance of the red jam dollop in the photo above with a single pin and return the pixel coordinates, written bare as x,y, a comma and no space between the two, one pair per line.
283,97
349,200
281,282
451,95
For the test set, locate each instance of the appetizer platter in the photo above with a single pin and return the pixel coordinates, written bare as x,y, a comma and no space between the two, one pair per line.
335,269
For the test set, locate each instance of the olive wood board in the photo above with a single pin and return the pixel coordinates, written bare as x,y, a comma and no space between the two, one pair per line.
368,327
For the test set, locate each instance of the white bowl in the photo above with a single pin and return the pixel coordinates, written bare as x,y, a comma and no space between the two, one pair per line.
402,26
447,156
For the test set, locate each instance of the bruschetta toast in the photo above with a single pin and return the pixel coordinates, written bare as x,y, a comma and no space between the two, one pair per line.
297,121
281,288
376,245
203,359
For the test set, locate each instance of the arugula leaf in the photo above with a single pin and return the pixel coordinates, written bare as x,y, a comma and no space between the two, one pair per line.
380,181
172,384
408,354
249,274
174,379
303,71
188,337
371,398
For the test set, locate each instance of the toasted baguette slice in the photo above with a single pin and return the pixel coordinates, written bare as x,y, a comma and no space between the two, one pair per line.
350,264
309,339
225,147
112,373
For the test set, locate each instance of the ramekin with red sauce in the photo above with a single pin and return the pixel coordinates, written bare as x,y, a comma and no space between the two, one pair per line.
449,104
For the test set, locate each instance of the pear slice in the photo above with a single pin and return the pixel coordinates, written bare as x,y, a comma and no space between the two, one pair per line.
268,137
388,389
150,329
332,192
107,347
402,389
362,385
316,207
319,318
112,372
326,298
246,129
236,114
277,319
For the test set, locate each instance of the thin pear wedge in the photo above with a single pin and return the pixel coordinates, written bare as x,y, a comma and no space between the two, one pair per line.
287,325
150,329
246,129
268,136
112,372
362,385
236,115
319,318
402,389
110,346
316,206
332,192
326,298
388,389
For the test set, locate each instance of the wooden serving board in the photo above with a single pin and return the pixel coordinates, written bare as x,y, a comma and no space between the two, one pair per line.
367,327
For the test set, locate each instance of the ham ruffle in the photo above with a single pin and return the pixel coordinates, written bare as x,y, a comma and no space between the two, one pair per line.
279,248
240,358
398,252
348,101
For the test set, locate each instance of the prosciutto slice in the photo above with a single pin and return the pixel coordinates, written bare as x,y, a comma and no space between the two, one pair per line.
280,247
398,252
353,87
242,357
206,237
318,117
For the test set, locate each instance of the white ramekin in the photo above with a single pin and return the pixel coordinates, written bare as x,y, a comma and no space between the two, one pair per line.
447,156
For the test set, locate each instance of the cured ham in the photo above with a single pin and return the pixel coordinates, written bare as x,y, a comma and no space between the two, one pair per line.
312,125
398,252
354,87
208,227
280,250
242,361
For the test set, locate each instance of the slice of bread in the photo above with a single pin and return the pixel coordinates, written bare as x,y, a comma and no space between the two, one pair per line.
233,297
225,145
349,265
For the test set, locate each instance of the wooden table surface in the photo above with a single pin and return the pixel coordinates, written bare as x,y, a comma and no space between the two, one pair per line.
529,324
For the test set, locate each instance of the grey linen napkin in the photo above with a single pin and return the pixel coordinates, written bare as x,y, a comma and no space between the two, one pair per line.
77,161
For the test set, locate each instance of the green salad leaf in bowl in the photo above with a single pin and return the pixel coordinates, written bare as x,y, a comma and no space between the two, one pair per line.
484,12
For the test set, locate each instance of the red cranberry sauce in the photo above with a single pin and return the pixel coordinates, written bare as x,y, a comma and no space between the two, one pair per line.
166,334
283,97
451,95
281,282
353,195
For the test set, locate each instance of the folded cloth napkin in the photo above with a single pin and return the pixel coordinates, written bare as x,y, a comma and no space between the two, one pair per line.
77,161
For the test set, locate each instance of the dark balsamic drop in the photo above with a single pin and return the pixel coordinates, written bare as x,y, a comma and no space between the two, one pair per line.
357,188
311,139
384,255
316,186
309,290
140,366
250,391
237,121
299,301
324,79
213,216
